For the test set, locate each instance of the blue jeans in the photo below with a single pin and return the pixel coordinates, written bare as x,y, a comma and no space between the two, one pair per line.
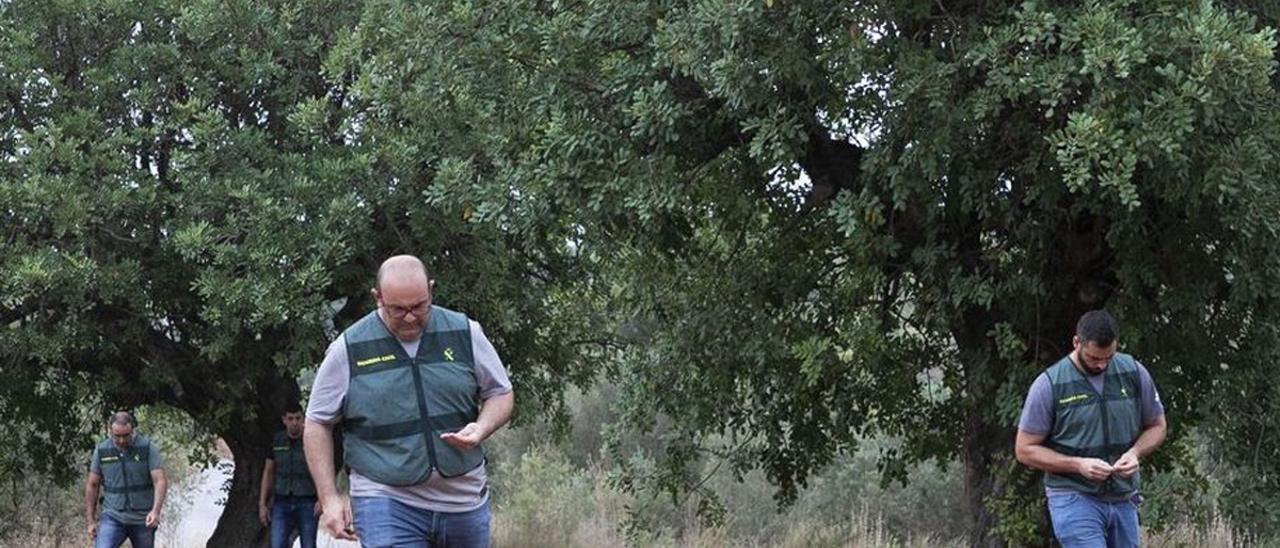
1085,521
111,534
385,523
289,513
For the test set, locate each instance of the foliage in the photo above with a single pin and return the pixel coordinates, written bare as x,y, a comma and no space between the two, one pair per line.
776,227
1247,454
182,195
807,222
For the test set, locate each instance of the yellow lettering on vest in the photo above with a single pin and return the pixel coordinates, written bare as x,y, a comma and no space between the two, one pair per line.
448,353
379,359
1074,398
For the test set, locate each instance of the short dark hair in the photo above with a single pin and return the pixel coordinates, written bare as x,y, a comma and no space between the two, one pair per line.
291,407
1098,327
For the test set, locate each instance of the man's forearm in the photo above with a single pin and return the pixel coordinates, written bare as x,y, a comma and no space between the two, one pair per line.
1150,439
160,488
317,441
90,502
495,412
264,490
1045,459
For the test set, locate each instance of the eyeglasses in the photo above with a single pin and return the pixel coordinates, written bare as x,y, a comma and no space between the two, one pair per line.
399,312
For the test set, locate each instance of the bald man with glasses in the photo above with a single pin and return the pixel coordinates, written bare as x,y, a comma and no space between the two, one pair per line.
417,388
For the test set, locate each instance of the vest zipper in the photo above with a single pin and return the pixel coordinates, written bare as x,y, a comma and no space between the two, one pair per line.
288,481
423,412
1106,428
124,478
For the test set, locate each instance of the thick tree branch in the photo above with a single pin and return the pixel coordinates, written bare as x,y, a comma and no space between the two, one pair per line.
832,165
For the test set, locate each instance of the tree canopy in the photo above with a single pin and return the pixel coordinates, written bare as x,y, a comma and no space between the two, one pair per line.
783,225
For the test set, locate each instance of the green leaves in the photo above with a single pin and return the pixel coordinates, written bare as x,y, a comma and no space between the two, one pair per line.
821,231
160,239
780,226
1094,152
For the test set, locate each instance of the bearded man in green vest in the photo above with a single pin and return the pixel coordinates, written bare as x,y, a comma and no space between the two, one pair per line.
417,388
1088,422
130,473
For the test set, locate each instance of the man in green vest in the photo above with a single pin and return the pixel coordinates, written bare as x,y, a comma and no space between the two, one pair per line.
1088,422
417,388
287,496
128,469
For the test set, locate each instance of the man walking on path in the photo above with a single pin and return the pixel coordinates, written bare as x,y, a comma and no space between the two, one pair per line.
1088,421
128,468
417,388
287,497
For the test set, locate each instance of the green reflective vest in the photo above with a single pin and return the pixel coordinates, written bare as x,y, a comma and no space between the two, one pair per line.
292,479
1089,424
397,407
126,475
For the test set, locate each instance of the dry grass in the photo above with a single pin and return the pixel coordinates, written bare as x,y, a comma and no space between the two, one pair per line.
583,514
545,502
1216,535
548,503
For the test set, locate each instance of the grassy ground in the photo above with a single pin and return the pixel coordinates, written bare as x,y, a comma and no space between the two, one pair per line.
544,500
558,495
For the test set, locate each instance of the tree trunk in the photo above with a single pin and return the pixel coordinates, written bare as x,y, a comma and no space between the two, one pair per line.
250,443
988,444
239,525
983,443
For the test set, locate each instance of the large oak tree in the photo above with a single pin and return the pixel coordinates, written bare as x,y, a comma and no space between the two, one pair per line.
782,225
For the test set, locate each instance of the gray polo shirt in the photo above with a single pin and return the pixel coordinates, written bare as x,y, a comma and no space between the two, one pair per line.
154,461
438,494
1037,412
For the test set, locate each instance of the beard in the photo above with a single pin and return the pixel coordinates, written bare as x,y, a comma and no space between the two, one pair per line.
1085,365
